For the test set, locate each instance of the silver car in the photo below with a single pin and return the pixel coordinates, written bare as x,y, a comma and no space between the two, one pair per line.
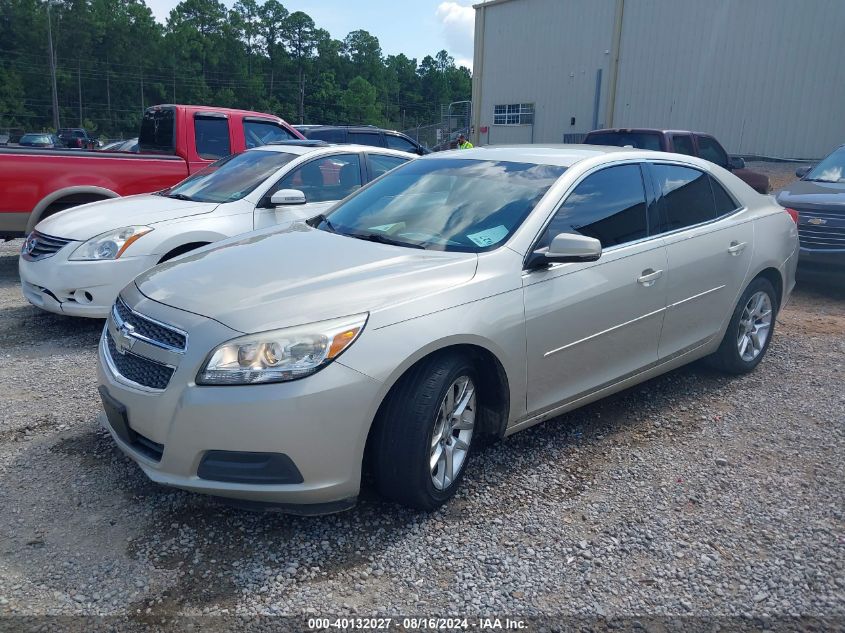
463,296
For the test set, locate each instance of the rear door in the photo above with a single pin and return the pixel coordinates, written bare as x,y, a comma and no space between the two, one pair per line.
709,247
212,139
683,144
324,180
593,324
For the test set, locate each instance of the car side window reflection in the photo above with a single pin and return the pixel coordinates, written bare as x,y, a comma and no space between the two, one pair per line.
608,205
324,179
686,196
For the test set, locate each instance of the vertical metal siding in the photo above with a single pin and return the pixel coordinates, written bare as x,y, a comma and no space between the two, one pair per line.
763,76
544,52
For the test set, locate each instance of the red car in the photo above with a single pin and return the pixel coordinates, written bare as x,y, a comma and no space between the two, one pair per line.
681,142
175,141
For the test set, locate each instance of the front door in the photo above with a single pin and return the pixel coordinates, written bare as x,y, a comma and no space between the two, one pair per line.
709,248
592,324
323,180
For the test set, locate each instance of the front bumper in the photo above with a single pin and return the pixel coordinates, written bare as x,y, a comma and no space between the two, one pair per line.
822,261
78,288
320,423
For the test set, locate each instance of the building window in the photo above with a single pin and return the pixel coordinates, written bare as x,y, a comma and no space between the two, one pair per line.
514,114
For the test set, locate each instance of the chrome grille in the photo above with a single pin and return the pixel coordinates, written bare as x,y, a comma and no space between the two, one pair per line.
148,330
39,246
140,370
821,230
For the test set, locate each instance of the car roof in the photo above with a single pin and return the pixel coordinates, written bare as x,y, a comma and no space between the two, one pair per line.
562,155
328,148
645,130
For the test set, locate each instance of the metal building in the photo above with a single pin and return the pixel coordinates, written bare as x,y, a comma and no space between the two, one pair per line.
764,76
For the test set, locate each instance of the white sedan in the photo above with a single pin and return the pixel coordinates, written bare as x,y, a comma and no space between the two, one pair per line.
75,262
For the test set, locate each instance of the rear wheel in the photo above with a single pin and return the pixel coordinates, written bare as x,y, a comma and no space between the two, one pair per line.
749,331
424,432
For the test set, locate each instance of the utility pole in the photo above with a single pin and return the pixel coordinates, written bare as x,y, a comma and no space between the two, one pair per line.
142,88
79,87
174,83
52,68
108,93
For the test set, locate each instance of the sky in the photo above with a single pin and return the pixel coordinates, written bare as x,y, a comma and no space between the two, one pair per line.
414,27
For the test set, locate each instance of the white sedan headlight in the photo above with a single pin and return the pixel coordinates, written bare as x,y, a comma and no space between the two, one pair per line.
109,245
280,355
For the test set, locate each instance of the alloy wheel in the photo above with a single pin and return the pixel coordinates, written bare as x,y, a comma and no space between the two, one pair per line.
453,430
755,324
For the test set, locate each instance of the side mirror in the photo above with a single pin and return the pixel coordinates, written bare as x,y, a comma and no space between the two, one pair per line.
567,248
286,197
736,162
803,171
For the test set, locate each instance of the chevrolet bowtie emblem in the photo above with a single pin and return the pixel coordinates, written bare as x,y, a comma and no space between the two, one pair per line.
123,340
816,221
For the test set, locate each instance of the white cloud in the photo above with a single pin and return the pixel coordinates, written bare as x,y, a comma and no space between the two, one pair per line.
458,25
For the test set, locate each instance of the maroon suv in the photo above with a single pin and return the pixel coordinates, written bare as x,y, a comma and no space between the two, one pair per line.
681,142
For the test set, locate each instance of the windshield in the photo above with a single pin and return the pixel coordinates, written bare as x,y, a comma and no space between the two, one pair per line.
831,169
230,178
445,204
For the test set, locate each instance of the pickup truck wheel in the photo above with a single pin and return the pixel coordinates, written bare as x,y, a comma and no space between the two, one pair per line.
424,434
749,331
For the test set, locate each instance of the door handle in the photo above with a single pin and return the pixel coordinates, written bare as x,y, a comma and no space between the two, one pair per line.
649,276
737,247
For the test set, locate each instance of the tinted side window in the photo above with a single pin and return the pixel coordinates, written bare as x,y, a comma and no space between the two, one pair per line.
157,131
686,196
257,133
329,136
608,205
324,179
724,202
212,136
709,149
380,164
402,144
366,138
683,145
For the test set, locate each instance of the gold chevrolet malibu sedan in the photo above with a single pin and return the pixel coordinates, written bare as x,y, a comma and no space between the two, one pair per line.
463,296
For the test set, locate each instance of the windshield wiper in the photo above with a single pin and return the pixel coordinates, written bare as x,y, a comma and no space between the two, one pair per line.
180,196
383,239
317,219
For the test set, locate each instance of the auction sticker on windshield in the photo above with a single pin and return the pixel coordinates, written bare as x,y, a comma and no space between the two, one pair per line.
488,237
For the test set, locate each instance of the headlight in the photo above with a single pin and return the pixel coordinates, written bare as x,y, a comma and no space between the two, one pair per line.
109,245
280,355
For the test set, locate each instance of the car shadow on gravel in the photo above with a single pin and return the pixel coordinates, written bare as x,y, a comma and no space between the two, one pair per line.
203,552
23,326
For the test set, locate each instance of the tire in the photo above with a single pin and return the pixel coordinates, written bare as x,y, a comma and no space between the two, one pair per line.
730,357
409,423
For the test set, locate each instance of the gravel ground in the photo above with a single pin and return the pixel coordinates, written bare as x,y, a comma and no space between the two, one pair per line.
693,494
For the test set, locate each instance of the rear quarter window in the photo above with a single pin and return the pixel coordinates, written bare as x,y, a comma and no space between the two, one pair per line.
639,140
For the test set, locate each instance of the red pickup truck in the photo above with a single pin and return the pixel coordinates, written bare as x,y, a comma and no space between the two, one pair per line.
175,141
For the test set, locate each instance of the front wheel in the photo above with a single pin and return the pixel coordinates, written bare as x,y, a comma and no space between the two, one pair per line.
424,432
749,331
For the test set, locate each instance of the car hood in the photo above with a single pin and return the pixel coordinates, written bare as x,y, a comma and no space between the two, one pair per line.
299,275
86,221
811,194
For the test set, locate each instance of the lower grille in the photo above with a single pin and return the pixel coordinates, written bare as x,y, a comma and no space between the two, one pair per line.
39,246
140,370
